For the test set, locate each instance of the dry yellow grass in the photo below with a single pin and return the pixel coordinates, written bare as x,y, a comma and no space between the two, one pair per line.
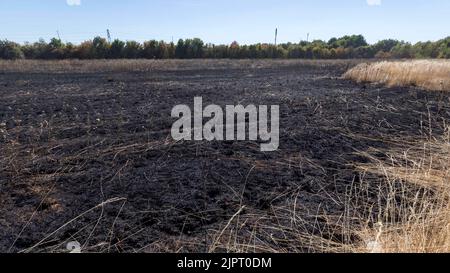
427,74
414,215
401,205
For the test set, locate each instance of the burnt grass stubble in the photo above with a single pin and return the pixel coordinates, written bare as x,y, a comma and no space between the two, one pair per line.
72,140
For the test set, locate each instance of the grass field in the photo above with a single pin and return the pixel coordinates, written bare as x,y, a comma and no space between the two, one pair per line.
86,155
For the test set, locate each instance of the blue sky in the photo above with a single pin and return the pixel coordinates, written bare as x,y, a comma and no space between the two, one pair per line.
222,21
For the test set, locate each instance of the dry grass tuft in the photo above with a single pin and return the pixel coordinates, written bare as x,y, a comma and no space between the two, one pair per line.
400,204
427,74
414,211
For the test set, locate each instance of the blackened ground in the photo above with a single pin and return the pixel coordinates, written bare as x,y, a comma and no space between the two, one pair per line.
88,156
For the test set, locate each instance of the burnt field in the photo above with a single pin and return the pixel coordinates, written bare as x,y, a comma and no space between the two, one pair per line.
86,155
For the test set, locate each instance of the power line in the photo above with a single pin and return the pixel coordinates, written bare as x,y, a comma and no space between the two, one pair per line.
276,36
109,35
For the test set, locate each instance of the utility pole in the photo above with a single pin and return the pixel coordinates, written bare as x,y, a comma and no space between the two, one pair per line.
307,37
59,36
276,36
109,35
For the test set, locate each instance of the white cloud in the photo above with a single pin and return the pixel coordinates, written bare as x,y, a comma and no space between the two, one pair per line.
73,2
374,2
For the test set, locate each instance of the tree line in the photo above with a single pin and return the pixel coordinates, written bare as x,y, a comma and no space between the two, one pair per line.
347,47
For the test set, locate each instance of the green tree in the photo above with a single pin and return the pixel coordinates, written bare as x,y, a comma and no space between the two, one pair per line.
403,51
100,48
385,45
55,49
151,50
132,50
10,50
117,49
180,51
353,46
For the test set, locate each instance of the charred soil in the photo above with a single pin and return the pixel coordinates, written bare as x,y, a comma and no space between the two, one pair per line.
87,155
